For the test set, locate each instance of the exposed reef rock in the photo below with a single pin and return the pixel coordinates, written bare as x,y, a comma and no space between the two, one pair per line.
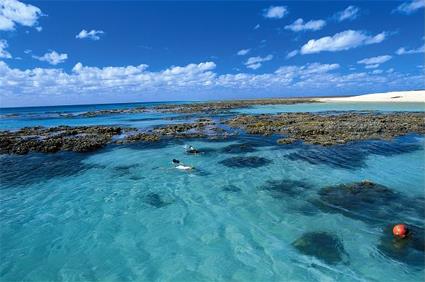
62,138
224,106
90,138
331,129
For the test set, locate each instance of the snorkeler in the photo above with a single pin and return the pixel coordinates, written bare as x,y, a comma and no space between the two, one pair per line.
191,150
179,165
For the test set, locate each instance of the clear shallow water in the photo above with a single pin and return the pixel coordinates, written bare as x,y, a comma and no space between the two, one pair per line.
321,107
124,213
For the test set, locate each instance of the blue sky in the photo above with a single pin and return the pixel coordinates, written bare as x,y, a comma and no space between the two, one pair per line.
70,52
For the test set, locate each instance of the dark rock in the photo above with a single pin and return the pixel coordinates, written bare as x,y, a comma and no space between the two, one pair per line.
322,245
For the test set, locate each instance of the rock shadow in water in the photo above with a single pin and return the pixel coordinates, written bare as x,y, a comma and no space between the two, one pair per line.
245,162
322,245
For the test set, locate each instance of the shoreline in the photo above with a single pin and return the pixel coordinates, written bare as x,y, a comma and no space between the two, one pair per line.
385,97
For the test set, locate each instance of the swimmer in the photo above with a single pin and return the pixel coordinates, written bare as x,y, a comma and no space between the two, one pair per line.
191,150
181,166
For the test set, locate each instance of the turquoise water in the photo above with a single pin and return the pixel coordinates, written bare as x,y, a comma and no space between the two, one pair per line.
124,213
346,106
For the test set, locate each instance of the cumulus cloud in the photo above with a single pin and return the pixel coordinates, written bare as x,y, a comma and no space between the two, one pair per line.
410,7
13,12
243,52
404,51
275,12
256,62
3,53
300,25
48,84
92,34
374,62
257,26
341,41
52,58
349,13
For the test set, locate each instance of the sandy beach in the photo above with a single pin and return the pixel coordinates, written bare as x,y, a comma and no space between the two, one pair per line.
398,96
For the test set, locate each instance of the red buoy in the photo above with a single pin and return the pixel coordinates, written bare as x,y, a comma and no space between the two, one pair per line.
400,230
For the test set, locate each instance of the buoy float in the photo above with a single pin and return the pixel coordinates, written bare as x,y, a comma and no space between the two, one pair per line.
400,230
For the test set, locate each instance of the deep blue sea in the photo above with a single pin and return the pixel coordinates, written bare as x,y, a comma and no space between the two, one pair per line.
124,213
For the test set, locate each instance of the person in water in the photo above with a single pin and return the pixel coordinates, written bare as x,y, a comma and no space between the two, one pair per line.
179,165
191,150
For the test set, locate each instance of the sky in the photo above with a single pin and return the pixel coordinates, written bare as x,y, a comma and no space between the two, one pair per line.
85,52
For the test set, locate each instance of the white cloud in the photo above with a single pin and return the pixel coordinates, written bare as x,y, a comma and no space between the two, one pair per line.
373,66
349,13
92,34
275,12
292,54
404,51
52,58
256,62
243,52
374,62
257,26
13,12
49,85
410,7
3,53
377,71
341,41
300,25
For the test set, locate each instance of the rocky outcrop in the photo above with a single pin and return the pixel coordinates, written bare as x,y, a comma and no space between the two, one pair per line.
331,129
224,106
50,140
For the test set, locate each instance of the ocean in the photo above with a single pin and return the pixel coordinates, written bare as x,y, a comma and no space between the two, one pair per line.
252,210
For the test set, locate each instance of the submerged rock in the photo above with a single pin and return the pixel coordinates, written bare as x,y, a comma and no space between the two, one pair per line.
238,148
322,245
285,187
370,202
410,250
155,200
231,188
247,162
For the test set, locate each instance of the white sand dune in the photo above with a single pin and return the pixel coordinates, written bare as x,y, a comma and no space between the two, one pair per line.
399,96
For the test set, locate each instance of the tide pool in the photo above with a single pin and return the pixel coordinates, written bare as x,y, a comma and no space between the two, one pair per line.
345,106
125,213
